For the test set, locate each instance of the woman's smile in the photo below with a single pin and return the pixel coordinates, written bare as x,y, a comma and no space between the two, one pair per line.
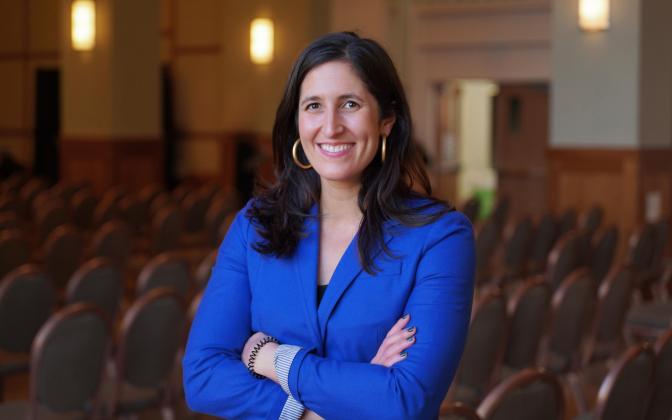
335,150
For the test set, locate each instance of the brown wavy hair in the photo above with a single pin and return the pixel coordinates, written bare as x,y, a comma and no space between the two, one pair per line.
396,189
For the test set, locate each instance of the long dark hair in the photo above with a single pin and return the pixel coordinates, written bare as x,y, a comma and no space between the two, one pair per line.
390,190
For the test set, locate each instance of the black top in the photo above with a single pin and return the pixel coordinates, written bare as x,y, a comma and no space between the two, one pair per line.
320,292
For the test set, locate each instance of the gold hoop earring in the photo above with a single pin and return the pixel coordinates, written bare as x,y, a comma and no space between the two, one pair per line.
296,158
383,148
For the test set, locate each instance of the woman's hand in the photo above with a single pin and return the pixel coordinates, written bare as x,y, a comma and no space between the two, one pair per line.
310,415
398,339
263,363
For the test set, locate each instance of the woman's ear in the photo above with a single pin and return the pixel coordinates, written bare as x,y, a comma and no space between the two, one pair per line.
386,125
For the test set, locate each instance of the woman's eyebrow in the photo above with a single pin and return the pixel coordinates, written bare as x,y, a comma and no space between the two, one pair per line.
351,96
309,99
340,98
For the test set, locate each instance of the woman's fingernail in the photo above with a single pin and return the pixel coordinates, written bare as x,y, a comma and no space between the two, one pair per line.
403,354
405,316
411,339
410,330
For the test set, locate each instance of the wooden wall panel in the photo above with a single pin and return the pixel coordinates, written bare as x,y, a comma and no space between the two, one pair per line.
131,163
618,180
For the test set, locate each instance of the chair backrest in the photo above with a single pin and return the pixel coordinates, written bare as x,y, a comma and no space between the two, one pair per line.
660,405
27,298
107,209
63,251
487,241
567,221
195,208
528,310
214,218
98,281
662,228
135,213
517,248
49,218
484,346
28,192
613,301
204,269
113,240
591,220
641,246
544,239
14,251
193,306
458,411
167,229
152,331
165,270
500,213
83,206
148,193
604,251
470,208
68,359
623,394
571,312
564,258
531,394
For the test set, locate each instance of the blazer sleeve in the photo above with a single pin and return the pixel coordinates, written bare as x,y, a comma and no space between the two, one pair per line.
216,381
440,308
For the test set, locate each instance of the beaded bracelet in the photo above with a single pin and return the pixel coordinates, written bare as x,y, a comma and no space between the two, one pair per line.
255,350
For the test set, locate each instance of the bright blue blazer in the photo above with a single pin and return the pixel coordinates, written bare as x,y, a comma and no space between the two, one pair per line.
430,277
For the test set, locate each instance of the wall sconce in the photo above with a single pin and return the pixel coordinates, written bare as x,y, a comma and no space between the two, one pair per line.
594,15
261,41
83,24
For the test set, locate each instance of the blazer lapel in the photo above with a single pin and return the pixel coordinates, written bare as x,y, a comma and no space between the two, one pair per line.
346,272
305,264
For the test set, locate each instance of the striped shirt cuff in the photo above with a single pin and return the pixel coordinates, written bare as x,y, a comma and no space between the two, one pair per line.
292,410
282,361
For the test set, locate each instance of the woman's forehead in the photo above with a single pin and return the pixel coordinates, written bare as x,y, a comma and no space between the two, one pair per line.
332,78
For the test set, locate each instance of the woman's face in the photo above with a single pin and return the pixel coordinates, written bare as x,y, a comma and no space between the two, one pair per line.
339,122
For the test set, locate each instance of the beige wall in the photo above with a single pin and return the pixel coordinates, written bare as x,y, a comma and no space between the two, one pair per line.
501,40
475,138
29,39
218,90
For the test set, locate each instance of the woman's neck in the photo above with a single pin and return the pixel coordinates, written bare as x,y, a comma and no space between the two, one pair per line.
338,202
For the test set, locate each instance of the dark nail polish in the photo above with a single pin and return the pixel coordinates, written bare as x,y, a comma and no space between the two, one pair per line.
405,316
403,354
410,339
411,329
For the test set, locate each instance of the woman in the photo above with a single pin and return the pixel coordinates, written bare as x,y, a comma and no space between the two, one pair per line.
340,291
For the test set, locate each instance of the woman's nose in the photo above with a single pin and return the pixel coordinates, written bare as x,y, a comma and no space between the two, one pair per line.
332,125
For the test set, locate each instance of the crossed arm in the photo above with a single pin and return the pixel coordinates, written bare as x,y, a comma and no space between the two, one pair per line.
217,382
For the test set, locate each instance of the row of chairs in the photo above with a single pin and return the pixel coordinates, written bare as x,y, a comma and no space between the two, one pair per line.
80,364
564,330
637,386
192,209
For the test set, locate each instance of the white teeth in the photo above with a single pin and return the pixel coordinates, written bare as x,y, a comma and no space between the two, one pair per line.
332,148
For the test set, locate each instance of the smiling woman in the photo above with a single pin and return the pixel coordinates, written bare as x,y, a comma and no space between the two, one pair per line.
340,125
343,290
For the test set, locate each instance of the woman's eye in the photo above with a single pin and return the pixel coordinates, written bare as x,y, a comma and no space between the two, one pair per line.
312,106
350,105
